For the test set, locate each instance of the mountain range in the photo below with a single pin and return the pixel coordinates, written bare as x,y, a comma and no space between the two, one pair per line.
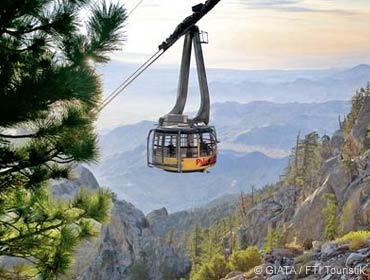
255,139
154,93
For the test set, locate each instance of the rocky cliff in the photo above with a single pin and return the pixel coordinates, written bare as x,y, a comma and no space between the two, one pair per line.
126,247
300,212
297,213
329,261
133,246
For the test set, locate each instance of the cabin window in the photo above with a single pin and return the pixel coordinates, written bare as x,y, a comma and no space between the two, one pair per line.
207,144
169,145
189,145
157,144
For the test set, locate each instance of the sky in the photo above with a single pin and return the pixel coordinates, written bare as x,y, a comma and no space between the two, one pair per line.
256,34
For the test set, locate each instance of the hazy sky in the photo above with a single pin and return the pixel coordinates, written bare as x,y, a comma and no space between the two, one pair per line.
258,34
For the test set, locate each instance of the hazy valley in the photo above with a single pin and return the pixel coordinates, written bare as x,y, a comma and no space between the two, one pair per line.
255,137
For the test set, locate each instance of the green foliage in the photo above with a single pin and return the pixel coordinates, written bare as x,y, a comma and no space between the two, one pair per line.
330,215
326,148
358,243
304,161
49,92
295,245
194,246
301,262
208,261
353,235
271,240
216,269
356,239
352,146
46,231
347,214
95,206
204,244
244,260
204,273
349,152
357,103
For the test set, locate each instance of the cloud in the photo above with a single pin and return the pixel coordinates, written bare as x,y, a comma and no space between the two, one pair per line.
292,6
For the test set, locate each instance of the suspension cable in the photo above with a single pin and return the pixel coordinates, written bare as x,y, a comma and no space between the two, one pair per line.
135,7
122,86
198,12
130,79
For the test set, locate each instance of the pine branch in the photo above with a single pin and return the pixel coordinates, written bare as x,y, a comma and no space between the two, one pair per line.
103,29
46,83
40,231
26,31
10,225
24,165
18,136
63,161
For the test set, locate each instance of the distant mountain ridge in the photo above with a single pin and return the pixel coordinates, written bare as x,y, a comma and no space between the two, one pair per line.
255,139
155,94
127,174
302,87
275,125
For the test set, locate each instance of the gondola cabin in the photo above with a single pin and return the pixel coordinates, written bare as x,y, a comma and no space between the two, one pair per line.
182,149
179,144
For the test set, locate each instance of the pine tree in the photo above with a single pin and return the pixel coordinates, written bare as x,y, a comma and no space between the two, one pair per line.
215,269
350,151
49,94
330,215
293,171
326,149
195,247
244,260
304,161
271,240
357,103
311,158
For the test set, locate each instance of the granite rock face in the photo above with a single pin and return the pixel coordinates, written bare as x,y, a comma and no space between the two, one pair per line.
81,177
333,261
302,219
128,240
125,241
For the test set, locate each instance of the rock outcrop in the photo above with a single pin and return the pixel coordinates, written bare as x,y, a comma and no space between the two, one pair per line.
81,177
296,216
331,261
127,241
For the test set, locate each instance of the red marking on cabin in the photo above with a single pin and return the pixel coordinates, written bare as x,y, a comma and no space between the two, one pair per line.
205,162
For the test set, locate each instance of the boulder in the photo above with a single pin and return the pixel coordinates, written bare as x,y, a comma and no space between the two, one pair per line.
316,245
328,249
356,258
277,277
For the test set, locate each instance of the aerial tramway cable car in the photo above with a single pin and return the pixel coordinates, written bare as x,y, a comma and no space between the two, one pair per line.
180,144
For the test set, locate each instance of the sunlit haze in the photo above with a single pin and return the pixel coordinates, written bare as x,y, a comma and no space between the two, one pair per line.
258,34
243,35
